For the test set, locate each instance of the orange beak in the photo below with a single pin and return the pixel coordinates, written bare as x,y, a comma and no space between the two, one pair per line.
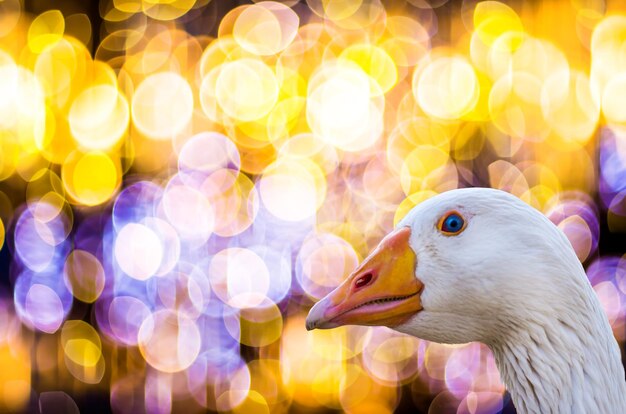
382,291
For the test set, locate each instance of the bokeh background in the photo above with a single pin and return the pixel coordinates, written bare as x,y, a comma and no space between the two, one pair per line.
181,179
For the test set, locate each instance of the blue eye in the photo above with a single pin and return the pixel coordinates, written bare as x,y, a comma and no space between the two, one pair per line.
452,223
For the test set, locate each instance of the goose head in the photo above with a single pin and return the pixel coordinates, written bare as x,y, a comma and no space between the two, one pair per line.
466,265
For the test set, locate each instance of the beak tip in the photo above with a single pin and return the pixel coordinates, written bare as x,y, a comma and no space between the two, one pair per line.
316,315
310,325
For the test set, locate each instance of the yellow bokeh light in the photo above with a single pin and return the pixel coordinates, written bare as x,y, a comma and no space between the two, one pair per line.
344,107
166,9
336,9
22,105
153,111
10,13
375,62
613,99
360,393
607,43
369,14
515,107
246,89
45,30
99,117
15,383
266,28
492,19
254,403
81,343
83,352
447,88
407,42
514,52
265,378
46,187
326,384
169,341
56,67
2,233
411,201
506,176
569,106
8,83
91,178
260,326
84,275
428,168
234,199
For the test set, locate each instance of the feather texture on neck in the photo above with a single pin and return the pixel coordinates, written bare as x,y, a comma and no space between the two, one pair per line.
563,363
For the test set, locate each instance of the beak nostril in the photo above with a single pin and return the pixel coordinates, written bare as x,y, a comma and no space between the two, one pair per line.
363,280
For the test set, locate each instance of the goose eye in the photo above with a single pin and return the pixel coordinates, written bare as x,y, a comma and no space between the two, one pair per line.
452,224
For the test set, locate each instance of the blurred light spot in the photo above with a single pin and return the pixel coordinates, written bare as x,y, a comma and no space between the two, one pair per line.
99,117
152,109
613,99
10,10
206,153
428,168
447,88
234,199
266,28
393,359
188,211
170,243
43,308
256,326
126,314
239,277
323,262
292,189
235,391
84,275
166,9
579,235
375,62
81,343
22,107
169,341
411,201
136,202
610,299
51,402
138,251
91,178
515,106
481,402
344,107
246,89
492,19
254,403
37,241
46,29
570,106
185,290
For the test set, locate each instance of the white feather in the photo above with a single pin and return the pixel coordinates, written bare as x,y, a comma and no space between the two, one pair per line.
512,281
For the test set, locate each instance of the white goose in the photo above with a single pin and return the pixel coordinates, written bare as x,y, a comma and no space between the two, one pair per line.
480,265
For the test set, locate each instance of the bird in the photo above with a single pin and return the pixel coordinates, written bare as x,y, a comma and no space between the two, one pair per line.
481,265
